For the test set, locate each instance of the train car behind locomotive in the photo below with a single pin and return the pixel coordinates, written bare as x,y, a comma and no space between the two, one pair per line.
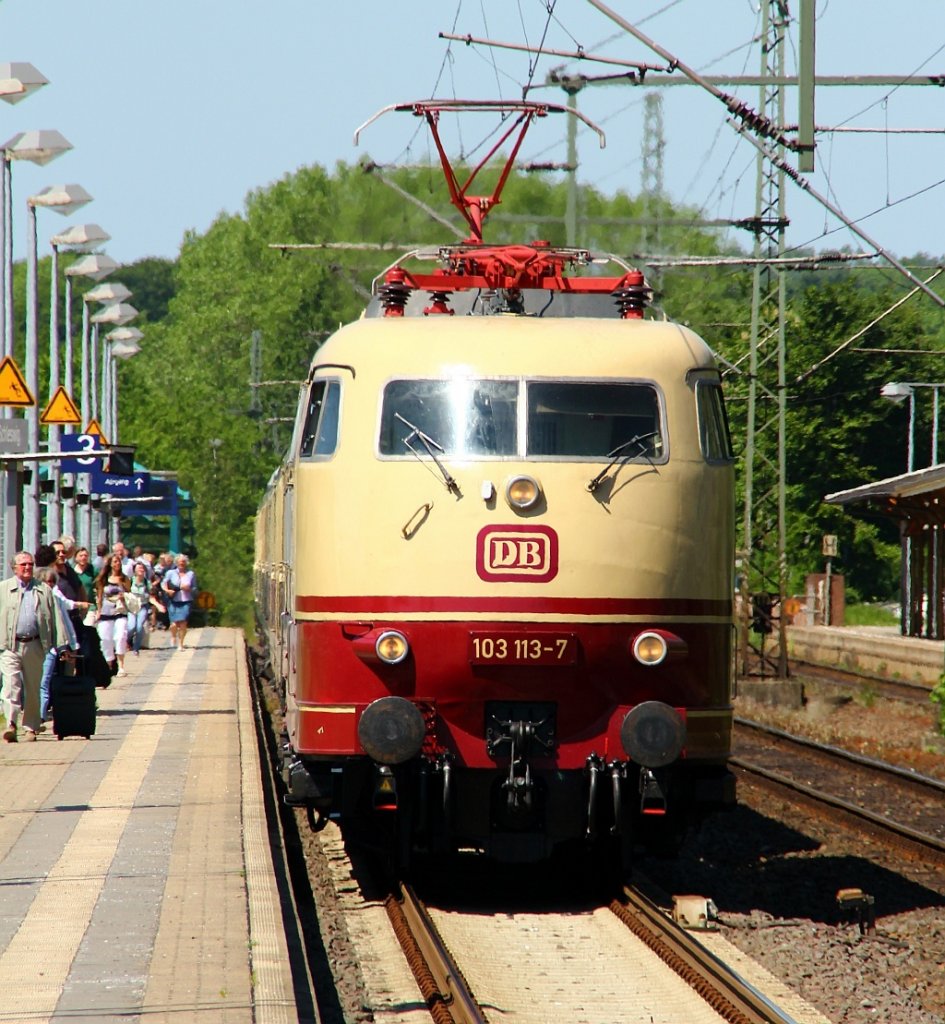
495,567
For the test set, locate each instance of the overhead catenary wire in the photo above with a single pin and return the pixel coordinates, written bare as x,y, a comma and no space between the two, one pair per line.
859,334
749,125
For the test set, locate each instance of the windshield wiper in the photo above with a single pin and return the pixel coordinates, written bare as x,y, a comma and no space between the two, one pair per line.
619,454
429,444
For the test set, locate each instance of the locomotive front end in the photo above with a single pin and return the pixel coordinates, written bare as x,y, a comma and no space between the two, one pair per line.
510,622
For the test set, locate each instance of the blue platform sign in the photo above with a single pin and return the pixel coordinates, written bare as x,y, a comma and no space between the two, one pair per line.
79,443
165,491
136,485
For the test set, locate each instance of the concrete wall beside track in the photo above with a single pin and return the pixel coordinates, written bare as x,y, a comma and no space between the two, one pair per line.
874,651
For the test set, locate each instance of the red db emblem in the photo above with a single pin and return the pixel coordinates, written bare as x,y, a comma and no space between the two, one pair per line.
517,554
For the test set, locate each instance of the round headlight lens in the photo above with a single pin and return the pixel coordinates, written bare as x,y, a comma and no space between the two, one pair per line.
522,492
392,647
650,649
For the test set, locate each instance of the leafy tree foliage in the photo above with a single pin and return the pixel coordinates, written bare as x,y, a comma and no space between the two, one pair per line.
151,282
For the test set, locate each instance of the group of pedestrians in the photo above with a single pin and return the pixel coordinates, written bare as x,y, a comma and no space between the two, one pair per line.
64,602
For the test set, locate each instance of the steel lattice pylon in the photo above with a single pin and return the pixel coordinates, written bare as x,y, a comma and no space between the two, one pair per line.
762,556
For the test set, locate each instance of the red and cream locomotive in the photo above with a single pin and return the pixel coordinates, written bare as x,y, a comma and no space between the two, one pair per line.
495,567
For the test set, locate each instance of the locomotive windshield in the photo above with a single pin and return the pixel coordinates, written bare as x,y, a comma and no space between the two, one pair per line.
538,419
592,420
463,417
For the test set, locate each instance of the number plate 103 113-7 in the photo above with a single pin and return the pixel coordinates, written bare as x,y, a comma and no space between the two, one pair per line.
522,648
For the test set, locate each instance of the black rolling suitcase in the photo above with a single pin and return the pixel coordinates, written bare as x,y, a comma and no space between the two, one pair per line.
73,705
95,664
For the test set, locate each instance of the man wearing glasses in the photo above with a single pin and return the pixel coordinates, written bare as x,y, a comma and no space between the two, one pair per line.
30,625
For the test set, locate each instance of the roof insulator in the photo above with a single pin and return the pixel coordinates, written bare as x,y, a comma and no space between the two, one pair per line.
632,295
394,292
438,304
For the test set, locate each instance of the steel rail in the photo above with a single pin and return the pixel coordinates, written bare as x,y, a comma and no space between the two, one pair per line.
840,754
910,840
730,995
442,985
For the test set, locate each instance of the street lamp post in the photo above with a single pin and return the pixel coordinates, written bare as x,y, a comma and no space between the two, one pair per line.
17,81
899,391
79,238
95,267
39,147
115,314
64,199
112,351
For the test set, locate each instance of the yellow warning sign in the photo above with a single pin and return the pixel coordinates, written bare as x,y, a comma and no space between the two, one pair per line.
95,429
61,409
13,389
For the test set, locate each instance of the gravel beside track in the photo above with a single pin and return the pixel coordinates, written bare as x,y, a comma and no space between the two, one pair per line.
774,871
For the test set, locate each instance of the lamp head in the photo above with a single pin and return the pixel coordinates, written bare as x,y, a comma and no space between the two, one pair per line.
896,392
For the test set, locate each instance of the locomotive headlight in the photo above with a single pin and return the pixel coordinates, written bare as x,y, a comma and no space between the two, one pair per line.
649,649
392,647
654,646
522,492
653,734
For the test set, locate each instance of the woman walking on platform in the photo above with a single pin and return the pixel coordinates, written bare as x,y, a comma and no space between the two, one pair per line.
139,606
180,586
111,586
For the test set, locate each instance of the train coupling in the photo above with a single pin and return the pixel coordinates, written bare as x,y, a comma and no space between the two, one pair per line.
652,796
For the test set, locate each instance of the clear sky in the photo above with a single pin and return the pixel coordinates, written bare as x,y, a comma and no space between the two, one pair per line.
178,109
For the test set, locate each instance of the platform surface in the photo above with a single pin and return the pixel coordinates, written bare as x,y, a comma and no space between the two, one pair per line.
136,877
877,651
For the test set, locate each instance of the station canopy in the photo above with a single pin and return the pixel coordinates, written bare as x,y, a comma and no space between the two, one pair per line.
916,501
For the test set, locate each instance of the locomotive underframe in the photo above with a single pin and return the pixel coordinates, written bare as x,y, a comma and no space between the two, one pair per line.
436,806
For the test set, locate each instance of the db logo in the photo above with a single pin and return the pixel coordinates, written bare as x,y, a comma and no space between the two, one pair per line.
517,554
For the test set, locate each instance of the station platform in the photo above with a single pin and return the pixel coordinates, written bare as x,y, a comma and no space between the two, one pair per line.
880,652
135,866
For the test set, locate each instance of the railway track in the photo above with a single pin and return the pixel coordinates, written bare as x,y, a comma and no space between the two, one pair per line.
897,806
891,689
562,976
627,962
